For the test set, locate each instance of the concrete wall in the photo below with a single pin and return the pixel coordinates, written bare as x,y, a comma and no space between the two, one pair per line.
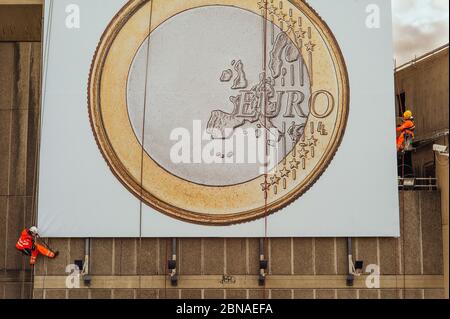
21,22
19,111
442,177
424,156
298,267
426,86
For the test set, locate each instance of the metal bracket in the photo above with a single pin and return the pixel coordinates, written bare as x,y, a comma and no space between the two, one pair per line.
172,264
263,264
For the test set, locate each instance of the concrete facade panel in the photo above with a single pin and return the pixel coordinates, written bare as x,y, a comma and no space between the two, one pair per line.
236,256
213,256
303,256
280,256
213,294
304,294
325,294
190,256
431,233
324,256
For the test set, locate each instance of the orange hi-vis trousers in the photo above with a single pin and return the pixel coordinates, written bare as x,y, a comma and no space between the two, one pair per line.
39,249
401,140
407,127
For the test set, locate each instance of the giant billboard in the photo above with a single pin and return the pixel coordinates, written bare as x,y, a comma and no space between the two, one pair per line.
174,118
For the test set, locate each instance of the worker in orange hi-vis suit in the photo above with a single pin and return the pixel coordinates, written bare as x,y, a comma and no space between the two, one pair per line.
407,128
28,246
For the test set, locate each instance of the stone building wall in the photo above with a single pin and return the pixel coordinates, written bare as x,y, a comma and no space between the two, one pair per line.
425,85
411,267
19,115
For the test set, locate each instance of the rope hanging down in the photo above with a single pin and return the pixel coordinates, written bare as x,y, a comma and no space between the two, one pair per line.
266,173
402,234
45,51
143,142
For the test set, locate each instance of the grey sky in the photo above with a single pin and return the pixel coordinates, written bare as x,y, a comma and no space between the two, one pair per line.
419,26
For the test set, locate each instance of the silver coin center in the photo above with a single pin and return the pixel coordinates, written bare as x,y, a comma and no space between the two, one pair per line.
204,68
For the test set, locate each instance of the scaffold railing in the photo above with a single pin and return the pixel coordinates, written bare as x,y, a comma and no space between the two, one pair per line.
412,183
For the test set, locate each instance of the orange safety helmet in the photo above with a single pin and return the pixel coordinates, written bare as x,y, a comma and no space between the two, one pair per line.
408,115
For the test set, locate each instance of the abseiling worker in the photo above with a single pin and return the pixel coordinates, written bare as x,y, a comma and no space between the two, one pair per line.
407,128
28,246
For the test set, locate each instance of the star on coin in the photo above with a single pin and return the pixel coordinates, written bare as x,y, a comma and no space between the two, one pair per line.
281,16
285,172
294,164
273,10
303,153
310,46
265,186
300,33
275,179
312,141
262,4
291,23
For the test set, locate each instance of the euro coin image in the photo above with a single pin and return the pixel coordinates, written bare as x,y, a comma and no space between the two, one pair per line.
220,112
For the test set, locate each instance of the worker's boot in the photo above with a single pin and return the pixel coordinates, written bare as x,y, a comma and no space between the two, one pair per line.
56,254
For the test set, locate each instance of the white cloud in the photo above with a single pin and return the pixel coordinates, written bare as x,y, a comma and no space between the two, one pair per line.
419,26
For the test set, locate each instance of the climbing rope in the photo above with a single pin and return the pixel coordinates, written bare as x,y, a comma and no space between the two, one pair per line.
402,235
266,149
143,144
403,231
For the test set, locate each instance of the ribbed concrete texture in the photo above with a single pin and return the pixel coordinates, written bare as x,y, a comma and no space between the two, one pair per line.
239,294
442,176
20,22
19,112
